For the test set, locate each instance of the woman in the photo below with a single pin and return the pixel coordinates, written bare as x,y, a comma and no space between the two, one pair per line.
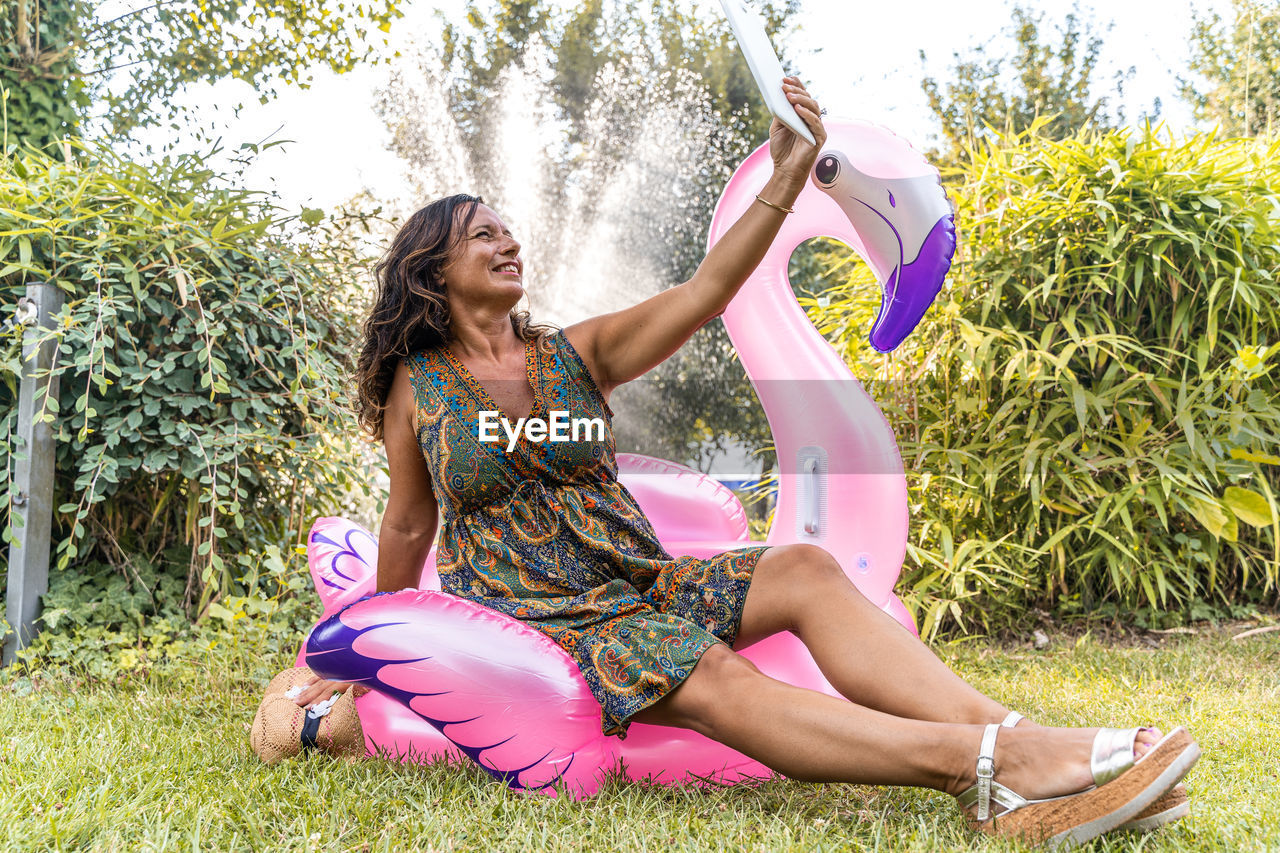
543,532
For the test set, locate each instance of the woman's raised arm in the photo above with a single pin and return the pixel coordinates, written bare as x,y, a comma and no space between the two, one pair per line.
620,346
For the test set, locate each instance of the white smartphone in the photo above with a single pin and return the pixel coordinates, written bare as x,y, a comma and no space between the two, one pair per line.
748,28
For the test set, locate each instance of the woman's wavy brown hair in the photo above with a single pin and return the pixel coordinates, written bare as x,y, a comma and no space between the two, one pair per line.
410,311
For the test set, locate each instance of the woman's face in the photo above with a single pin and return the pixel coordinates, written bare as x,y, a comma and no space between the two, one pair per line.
485,265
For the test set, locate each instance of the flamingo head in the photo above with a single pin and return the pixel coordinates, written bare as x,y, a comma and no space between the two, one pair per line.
870,190
908,233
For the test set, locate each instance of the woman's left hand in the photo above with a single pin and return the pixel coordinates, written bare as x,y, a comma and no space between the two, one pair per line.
321,689
793,156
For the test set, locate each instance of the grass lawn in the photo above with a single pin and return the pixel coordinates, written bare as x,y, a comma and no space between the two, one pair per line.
164,763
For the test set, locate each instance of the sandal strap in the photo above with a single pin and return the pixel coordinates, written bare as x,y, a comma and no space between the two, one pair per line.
986,769
1112,753
1012,720
987,789
1009,800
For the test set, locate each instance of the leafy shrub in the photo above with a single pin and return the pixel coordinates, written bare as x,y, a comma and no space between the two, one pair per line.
200,420
43,92
98,623
1088,415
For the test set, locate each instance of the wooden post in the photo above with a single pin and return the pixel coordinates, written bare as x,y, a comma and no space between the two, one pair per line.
32,488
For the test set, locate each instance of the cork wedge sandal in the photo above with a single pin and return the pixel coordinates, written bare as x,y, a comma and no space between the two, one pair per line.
1168,807
1079,817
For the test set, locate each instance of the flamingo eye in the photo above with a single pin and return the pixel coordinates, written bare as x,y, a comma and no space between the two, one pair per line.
827,170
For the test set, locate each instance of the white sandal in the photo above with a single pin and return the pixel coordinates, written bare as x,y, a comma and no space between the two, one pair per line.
1118,797
1170,806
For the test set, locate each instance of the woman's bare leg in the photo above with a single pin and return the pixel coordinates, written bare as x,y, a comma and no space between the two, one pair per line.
863,652
865,655
808,735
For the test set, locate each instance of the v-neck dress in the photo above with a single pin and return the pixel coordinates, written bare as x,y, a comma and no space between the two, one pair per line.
546,534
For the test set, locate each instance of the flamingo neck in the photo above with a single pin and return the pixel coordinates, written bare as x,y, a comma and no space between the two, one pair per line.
774,338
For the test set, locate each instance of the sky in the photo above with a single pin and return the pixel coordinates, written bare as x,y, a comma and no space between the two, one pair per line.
859,59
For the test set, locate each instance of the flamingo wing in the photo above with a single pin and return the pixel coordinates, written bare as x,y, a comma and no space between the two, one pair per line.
504,694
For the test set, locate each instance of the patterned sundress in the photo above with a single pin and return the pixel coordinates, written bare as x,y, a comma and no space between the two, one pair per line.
546,534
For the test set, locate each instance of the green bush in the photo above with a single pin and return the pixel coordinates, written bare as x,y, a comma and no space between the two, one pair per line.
43,93
1088,415
98,623
200,421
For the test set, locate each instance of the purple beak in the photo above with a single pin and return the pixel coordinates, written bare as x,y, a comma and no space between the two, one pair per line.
910,290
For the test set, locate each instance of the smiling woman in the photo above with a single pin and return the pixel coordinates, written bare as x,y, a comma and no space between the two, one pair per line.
412,311
487,247
543,532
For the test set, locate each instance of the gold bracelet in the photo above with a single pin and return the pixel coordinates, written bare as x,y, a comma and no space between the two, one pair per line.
767,203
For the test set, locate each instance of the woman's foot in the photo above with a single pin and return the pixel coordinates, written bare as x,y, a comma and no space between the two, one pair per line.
1171,806
1041,762
1058,785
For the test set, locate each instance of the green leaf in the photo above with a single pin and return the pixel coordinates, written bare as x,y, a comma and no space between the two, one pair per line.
1249,506
1213,517
1254,456
217,611
1078,402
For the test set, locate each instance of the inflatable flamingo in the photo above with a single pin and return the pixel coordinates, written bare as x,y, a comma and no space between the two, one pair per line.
841,481
453,678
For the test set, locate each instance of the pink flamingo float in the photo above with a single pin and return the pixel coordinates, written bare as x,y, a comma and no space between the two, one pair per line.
452,678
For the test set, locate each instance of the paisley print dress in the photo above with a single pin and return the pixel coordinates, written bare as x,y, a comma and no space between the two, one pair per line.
546,534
